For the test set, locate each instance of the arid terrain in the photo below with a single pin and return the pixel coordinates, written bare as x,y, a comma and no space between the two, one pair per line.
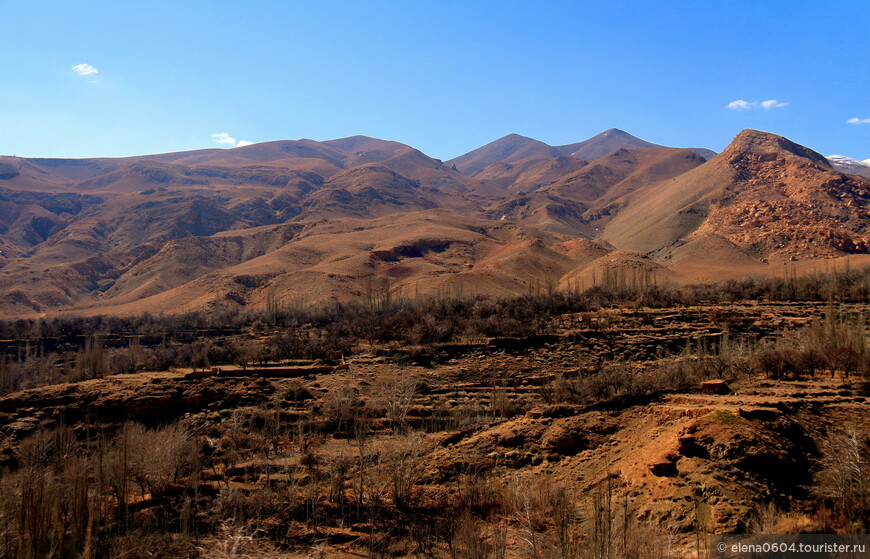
228,230
611,423
607,349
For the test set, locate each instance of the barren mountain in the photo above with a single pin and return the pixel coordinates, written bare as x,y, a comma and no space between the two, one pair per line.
578,202
604,143
849,165
321,220
514,148
510,149
765,195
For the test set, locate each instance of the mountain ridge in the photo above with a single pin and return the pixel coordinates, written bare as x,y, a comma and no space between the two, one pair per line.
232,228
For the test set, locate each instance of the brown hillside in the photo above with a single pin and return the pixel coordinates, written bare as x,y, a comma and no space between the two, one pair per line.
316,220
509,149
577,202
767,195
604,143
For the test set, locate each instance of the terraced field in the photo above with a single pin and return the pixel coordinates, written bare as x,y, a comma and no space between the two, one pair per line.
385,447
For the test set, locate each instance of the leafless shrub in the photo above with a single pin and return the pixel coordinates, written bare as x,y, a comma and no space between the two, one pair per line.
530,506
566,520
146,544
480,494
45,512
499,540
394,394
845,477
502,405
341,407
238,542
469,541
614,533
245,351
770,519
401,466
559,390
338,471
91,361
156,458
241,506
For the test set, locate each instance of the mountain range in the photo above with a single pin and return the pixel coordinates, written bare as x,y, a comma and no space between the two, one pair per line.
308,221
849,165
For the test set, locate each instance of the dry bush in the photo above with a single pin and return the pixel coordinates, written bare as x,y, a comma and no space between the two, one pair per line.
566,521
614,532
401,466
559,390
243,506
770,519
264,428
642,540
394,394
844,478
239,439
338,471
149,459
341,407
147,544
45,512
31,368
245,351
836,343
92,359
530,506
159,457
469,540
502,405
480,494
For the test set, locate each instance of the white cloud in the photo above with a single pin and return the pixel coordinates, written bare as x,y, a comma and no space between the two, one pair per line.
223,138
85,69
857,120
739,105
772,104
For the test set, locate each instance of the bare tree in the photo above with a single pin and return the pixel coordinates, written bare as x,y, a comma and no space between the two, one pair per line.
159,457
395,394
401,460
845,476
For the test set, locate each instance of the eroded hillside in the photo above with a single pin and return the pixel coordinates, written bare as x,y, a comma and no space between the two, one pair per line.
662,424
319,221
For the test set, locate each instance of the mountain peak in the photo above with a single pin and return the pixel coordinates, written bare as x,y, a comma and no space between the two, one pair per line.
851,166
507,149
359,143
513,136
603,143
767,144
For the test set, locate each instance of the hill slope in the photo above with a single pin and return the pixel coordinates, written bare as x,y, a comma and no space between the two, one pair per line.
765,194
233,228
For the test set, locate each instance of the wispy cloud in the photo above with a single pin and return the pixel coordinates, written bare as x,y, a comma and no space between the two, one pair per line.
772,104
742,105
739,105
224,138
85,69
857,120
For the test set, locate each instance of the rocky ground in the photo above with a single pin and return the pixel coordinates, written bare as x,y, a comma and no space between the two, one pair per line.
494,424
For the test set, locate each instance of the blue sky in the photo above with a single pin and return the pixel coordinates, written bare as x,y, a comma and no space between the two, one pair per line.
445,77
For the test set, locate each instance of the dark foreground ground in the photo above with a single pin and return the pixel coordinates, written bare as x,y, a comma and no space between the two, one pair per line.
618,432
